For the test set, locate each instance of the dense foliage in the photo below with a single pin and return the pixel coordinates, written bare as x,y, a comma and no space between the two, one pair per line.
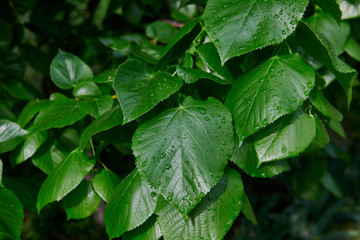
161,110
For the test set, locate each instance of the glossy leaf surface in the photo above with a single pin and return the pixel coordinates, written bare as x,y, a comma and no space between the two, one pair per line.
65,177
255,23
319,101
81,202
192,75
150,230
60,113
67,70
274,88
96,106
10,135
212,218
183,151
139,90
30,110
287,137
132,203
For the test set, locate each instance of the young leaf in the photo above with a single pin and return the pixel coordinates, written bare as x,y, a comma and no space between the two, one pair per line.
192,75
11,135
209,55
60,113
48,157
332,7
319,101
247,210
150,230
352,48
246,159
255,24
319,49
185,150
28,147
67,70
31,109
81,202
180,43
287,137
105,183
211,218
106,121
96,106
276,87
86,89
322,136
131,204
337,127
160,31
65,177
138,90
11,214
105,77
334,33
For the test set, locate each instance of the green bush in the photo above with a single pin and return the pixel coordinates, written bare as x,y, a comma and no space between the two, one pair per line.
161,108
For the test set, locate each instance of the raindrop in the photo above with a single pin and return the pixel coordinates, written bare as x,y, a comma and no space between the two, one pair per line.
223,143
265,121
223,120
212,115
201,110
163,155
283,149
310,84
220,28
281,12
276,16
307,93
279,108
153,194
168,166
144,163
283,32
207,118
263,174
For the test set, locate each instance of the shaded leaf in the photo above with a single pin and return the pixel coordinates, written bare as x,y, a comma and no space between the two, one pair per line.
139,90
27,149
104,183
255,24
332,7
322,136
81,202
247,210
11,135
211,218
150,230
31,109
185,150
11,214
192,75
131,204
60,113
330,184
319,49
353,49
337,127
274,88
96,106
106,121
319,101
65,177
246,159
287,137
1,170
67,70
19,89
161,31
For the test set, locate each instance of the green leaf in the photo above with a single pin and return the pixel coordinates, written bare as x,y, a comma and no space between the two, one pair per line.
319,101
81,202
350,8
106,121
334,33
246,159
274,88
247,210
67,70
337,127
131,204
330,184
25,189
180,43
96,106
139,90
11,135
211,57
150,230
287,137
192,75
332,7
104,183
60,113
1,170
319,49
27,149
11,214
65,177
105,77
255,24
121,46
160,31
48,157
86,89
19,89
352,48
31,109
211,218
322,136
185,150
